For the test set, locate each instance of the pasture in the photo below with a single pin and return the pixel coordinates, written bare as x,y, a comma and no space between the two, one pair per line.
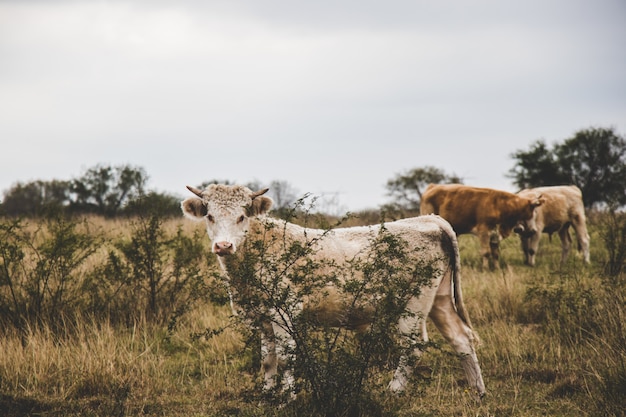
553,341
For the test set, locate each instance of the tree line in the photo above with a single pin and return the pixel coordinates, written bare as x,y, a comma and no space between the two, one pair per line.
593,159
103,189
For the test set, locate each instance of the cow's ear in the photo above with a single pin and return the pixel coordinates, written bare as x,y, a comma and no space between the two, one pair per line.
538,201
260,205
193,208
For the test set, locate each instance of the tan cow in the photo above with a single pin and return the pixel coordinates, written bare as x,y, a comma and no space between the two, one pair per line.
563,207
234,214
487,213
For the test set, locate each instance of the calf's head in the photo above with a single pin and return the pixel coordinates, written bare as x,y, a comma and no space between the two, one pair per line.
527,226
226,211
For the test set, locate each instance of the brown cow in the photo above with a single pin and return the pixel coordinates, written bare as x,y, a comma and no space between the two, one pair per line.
563,207
487,213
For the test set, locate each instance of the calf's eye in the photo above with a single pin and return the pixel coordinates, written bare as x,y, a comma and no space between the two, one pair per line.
211,218
241,218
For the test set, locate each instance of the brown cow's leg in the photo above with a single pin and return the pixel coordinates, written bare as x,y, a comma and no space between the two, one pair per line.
494,246
486,249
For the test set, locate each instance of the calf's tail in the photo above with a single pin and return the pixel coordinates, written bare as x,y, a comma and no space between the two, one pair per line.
455,264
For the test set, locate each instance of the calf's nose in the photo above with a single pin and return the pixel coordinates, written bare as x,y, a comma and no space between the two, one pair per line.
223,248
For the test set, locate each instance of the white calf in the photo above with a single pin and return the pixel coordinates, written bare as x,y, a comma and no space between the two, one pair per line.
234,213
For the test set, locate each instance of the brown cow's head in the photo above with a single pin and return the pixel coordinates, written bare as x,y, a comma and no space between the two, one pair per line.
226,210
522,217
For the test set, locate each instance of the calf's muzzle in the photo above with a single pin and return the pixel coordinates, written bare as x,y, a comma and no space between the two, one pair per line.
223,248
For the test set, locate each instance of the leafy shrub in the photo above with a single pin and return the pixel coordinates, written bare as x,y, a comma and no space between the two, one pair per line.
49,273
152,274
563,306
40,270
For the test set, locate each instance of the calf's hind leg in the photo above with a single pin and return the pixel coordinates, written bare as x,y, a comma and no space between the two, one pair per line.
404,370
408,326
461,337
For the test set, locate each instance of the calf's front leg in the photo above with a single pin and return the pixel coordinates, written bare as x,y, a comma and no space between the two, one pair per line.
277,347
269,359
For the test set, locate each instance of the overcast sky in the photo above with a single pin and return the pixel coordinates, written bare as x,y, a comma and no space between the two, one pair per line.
333,97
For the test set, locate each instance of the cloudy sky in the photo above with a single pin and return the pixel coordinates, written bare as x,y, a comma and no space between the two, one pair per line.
333,97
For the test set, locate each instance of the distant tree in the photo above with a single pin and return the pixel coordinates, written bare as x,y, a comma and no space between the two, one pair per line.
153,203
104,189
593,159
284,196
537,167
406,189
36,198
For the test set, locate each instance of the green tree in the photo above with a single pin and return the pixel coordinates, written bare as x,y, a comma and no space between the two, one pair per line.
536,167
406,189
36,198
104,189
593,159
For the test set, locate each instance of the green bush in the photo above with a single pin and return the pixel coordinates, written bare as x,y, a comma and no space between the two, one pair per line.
40,271
48,273
563,305
152,274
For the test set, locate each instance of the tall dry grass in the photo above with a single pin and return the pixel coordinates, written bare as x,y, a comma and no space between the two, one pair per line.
94,368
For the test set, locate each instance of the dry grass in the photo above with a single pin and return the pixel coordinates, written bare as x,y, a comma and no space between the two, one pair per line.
95,369
98,369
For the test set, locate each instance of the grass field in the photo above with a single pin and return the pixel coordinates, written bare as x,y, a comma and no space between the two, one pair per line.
553,343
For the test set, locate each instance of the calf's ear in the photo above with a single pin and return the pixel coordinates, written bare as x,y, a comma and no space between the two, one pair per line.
538,201
193,208
260,205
